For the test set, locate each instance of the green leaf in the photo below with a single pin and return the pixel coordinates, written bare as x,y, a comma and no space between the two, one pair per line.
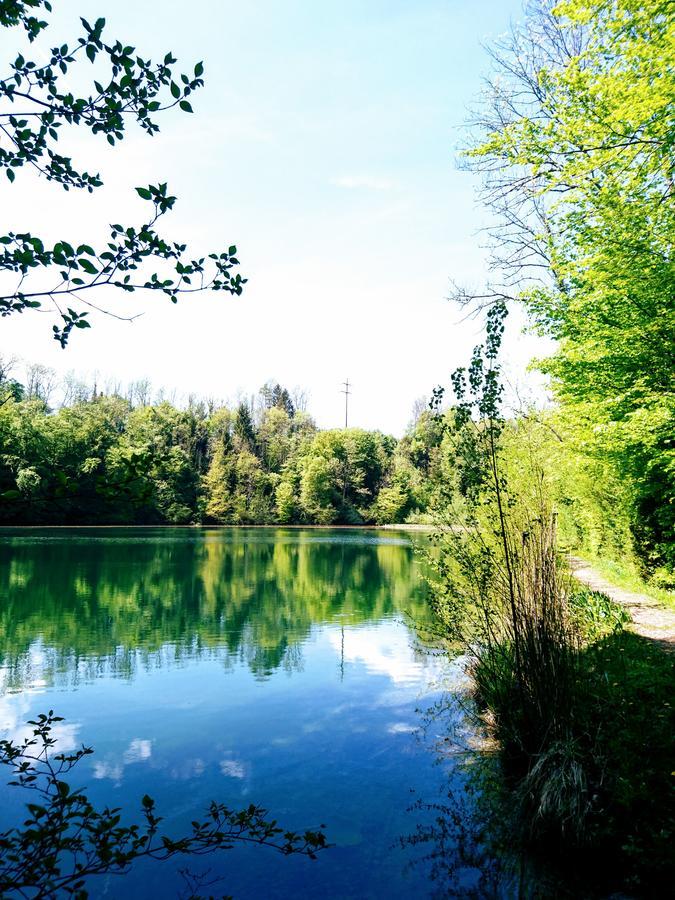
144,193
88,266
175,90
185,106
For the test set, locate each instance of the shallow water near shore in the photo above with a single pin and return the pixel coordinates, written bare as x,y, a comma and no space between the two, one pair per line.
282,667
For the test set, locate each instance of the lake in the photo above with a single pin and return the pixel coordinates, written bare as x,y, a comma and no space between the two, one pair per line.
285,667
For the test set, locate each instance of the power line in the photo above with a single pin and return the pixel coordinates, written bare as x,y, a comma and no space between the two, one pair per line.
346,392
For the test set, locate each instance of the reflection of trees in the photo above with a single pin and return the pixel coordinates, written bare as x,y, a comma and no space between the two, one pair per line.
134,599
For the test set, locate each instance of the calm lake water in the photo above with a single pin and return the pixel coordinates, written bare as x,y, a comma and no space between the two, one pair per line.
274,666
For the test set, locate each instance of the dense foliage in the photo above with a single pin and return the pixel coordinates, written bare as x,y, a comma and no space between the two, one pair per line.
576,145
577,153
114,460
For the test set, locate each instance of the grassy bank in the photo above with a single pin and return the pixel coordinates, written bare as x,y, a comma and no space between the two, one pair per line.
587,776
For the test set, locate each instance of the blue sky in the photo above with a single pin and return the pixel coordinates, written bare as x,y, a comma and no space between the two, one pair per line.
324,145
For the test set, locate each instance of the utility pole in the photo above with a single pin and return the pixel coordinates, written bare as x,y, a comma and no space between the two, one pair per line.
346,392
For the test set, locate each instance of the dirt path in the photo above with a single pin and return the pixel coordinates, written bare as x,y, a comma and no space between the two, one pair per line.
650,619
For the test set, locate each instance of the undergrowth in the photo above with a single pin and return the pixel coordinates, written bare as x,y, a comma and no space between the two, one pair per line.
600,784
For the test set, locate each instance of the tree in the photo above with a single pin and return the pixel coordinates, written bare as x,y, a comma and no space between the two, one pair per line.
218,483
38,106
244,429
576,147
40,383
10,388
274,395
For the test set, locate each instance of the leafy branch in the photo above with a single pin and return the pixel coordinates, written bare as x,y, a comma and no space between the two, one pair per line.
41,106
81,269
35,105
65,839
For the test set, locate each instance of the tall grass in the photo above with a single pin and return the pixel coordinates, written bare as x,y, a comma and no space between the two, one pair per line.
523,655
579,709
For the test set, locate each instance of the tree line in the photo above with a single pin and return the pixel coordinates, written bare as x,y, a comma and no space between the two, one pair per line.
121,458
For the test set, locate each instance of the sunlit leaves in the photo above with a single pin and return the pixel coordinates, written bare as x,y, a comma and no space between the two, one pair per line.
580,140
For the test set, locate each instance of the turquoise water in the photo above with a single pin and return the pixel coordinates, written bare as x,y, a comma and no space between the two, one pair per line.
277,666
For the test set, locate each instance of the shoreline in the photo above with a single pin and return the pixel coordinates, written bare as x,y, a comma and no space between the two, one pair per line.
217,527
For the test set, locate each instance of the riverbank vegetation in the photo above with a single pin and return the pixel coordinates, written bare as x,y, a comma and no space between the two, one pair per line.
575,146
577,706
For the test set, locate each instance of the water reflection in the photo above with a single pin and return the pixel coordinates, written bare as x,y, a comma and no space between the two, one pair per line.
86,603
267,665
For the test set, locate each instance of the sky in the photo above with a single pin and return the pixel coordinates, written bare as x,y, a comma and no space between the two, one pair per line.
325,146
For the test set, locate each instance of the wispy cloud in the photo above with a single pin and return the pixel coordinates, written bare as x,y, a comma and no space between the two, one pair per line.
369,182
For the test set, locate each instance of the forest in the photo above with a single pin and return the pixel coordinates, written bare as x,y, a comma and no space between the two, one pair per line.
111,459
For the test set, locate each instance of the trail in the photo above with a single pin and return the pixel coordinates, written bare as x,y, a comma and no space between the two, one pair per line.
650,618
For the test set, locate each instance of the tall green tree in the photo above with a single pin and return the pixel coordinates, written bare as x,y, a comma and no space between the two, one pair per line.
577,143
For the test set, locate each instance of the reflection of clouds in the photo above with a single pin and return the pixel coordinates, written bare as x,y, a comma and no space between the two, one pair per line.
282,741
64,733
112,770
188,768
232,768
384,651
14,710
311,727
401,728
139,750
